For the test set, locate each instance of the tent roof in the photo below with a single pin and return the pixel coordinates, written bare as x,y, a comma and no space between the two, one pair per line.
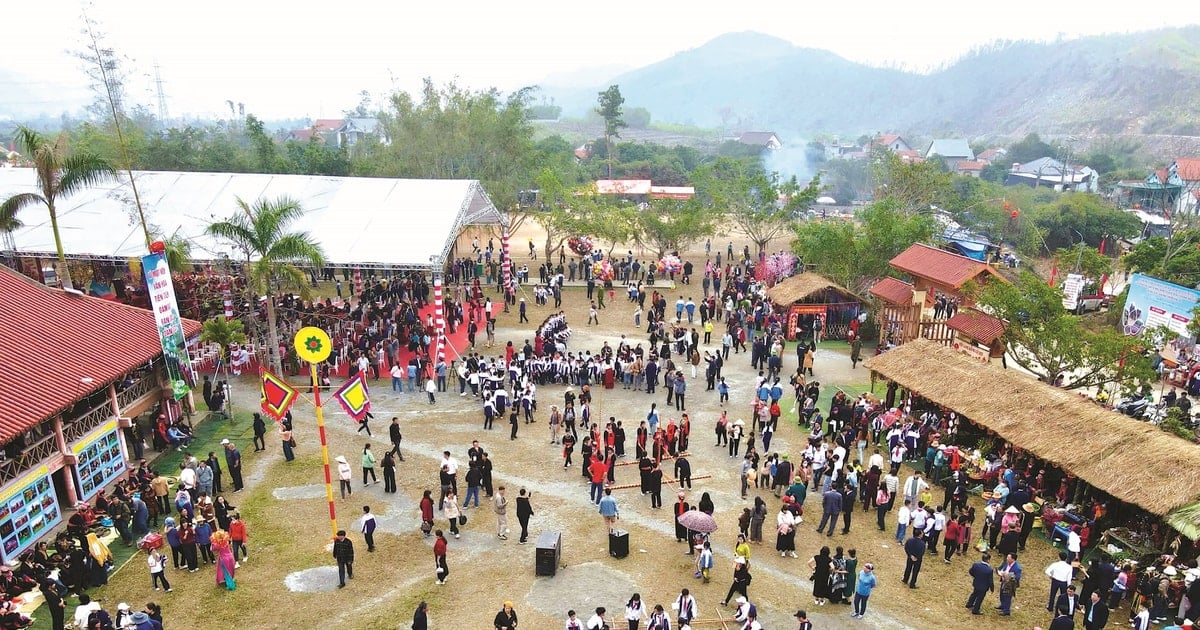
801,286
1108,450
359,221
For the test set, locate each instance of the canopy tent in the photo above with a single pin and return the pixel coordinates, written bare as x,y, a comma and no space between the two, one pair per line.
1129,460
359,221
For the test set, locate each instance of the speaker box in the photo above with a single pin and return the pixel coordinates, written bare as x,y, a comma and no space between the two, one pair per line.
548,554
618,543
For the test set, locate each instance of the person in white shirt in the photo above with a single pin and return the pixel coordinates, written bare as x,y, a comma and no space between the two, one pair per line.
875,460
1060,574
596,622
84,610
635,610
1073,544
903,518
914,486
685,604
743,610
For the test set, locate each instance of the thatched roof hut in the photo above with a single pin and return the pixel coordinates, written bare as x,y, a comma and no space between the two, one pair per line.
1130,460
803,285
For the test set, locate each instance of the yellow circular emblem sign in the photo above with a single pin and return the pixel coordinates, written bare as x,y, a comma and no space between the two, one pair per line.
312,344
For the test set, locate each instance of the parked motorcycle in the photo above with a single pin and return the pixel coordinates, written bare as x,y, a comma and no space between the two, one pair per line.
1134,407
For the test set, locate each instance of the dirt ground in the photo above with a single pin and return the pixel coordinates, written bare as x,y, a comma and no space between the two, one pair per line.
285,508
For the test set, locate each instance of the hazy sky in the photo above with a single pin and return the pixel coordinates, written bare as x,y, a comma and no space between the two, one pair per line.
297,59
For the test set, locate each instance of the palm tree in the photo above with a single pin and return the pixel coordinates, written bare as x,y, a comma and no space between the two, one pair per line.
223,332
178,252
60,173
261,231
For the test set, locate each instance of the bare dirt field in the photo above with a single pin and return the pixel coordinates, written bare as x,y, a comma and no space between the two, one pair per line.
289,581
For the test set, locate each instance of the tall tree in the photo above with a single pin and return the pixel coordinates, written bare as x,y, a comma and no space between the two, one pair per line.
608,105
669,225
1047,341
449,132
754,201
262,231
60,173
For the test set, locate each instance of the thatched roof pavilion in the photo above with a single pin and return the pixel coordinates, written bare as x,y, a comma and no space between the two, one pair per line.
803,285
1131,461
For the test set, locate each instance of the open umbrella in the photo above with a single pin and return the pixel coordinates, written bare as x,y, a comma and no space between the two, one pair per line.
698,521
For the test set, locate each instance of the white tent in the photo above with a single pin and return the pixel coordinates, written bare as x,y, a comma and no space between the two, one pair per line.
359,221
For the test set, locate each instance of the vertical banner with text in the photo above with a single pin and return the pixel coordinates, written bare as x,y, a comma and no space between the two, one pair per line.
170,327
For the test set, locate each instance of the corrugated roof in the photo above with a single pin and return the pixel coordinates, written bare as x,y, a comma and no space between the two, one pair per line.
977,325
970,165
50,339
950,148
758,138
939,265
327,124
893,291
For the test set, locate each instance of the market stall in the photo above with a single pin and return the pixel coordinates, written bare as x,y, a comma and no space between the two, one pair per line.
1086,463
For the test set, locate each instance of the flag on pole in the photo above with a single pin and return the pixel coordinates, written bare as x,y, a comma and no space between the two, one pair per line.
277,396
354,397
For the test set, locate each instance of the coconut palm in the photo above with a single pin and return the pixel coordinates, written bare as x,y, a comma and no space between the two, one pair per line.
272,251
60,173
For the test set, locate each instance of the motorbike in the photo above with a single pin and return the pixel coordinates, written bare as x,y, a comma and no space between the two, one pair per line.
1134,407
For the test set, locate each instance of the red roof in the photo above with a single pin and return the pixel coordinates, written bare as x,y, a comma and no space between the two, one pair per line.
1188,169
893,291
939,266
322,125
988,155
977,325
51,339
971,165
887,139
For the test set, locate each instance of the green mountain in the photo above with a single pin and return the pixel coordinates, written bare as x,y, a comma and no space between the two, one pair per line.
1146,82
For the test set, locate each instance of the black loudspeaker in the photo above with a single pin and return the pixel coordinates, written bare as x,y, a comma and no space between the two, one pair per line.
618,543
549,552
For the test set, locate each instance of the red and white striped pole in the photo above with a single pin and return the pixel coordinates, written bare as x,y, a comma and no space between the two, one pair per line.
439,318
506,262
228,298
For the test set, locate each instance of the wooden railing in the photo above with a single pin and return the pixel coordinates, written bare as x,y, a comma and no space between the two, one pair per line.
139,389
79,427
44,448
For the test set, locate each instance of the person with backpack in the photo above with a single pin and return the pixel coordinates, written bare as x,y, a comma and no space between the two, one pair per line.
741,580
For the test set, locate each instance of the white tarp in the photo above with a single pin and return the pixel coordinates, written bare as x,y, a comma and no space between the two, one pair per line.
370,222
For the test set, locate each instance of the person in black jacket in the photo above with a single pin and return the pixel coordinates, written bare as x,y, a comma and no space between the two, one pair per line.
343,552
506,619
53,593
395,437
524,511
1095,613
914,552
421,617
982,583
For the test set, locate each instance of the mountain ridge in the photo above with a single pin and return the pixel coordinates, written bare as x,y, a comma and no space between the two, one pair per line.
1118,83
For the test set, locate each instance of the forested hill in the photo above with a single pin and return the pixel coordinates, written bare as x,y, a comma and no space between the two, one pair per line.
1146,82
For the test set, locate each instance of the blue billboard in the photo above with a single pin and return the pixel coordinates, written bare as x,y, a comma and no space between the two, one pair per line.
1153,303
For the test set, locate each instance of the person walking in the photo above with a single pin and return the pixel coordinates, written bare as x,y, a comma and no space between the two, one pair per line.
914,552
1095,613
343,553
982,583
260,432
524,511
506,619
831,508
421,617
1060,576
634,611
345,474
395,437
450,510
500,507
233,461
366,525
741,581
158,570
368,464
862,590
1009,572
441,569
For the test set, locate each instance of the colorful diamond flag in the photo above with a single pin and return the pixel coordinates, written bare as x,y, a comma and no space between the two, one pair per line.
354,397
277,395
